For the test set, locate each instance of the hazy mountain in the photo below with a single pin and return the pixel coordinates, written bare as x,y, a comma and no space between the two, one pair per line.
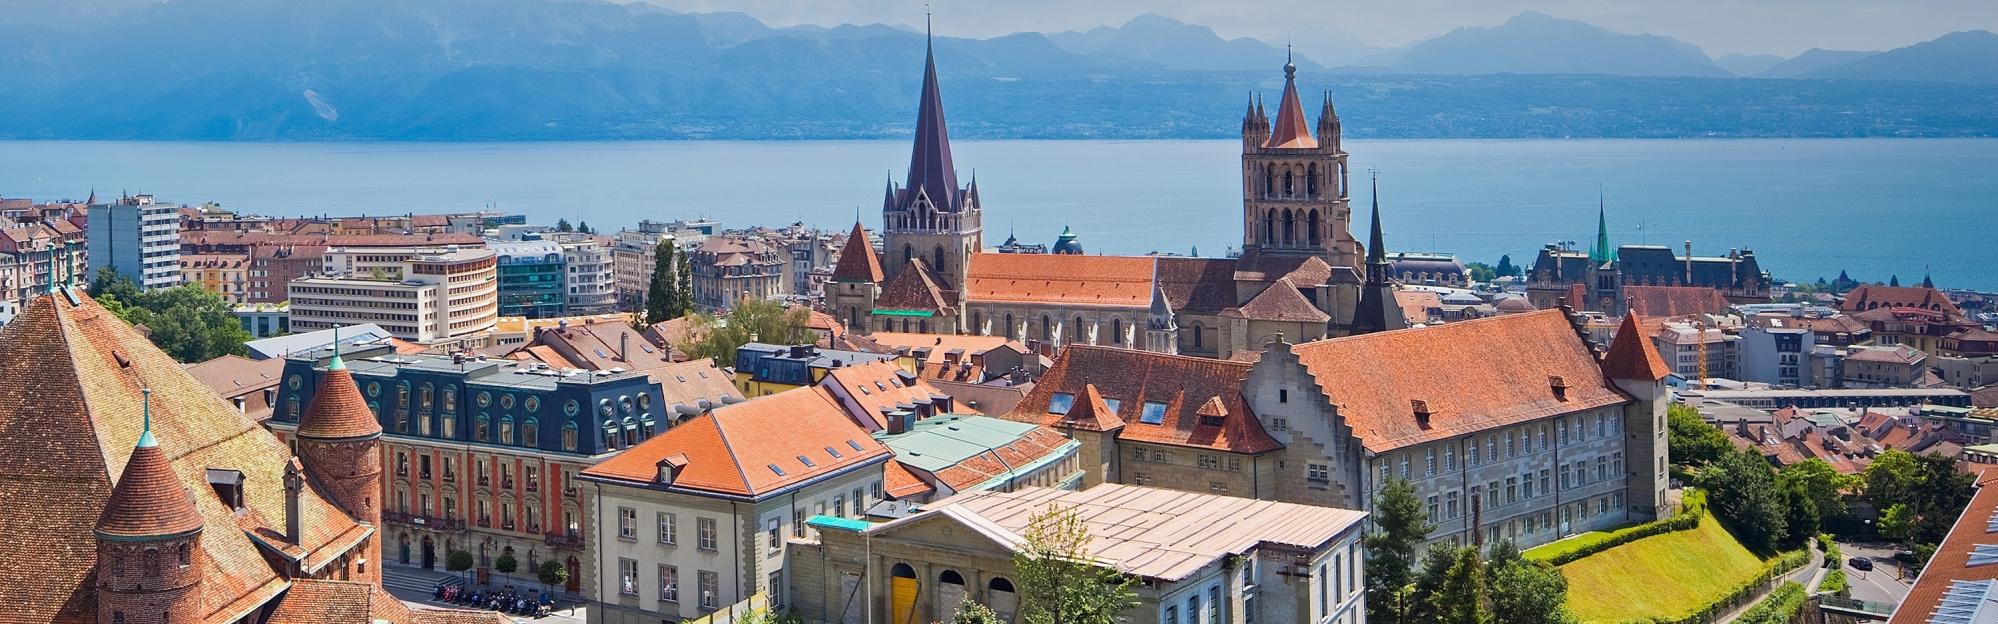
1171,43
1812,60
1333,47
1536,43
1967,56
1748,64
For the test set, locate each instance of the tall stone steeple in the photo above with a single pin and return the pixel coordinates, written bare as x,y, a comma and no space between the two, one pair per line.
930,216
1378,310
339,444
1294,185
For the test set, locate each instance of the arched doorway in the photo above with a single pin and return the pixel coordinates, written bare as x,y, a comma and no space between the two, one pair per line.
902,591
575,576
950,593
1001,597
402,548
429,553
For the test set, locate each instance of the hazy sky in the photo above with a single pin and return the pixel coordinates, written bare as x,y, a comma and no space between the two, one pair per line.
1784,27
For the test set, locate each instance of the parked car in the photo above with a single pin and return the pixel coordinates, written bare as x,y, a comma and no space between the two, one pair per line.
1861,563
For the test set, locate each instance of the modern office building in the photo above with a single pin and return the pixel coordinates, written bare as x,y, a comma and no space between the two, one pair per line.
449,296
137,237
532,278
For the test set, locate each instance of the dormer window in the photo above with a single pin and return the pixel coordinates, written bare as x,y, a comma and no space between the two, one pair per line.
1422,413
1060,403
1559,385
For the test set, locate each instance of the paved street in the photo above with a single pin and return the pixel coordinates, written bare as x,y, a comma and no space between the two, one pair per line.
1884,583
415,586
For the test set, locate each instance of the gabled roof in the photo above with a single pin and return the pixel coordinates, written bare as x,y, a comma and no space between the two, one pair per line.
970,452
1197,285
731,451
857,262
235,375
1671,301
344,602
1177,384
1471,375
1632,355
878,388
1956,578
1114,281
1869,296
70,381
1090,413
913,288
1282,302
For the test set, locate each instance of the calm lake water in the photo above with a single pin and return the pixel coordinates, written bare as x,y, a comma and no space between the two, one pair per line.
1808,207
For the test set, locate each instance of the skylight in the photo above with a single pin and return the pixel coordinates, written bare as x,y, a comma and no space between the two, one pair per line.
775,469
833,452
807,461
1113,404
1983,554
1060,403
855,445
1153,414
1963,603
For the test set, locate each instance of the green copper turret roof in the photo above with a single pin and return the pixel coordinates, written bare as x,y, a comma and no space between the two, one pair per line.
1602,252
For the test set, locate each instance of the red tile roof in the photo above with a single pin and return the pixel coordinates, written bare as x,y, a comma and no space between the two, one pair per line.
901,482
1290,131
1114,281
1664,301
877,388
337,409
345,602
1134,378
1090,413
731,450
1282,302
149,500
1870,296
914,289
1200,285
857,262
1472,375
70,381
1951,561
1632,354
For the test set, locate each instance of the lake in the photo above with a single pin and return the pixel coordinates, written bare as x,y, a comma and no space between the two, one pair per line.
1808,208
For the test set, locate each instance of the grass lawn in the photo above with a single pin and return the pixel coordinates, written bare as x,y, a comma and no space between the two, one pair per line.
1665,575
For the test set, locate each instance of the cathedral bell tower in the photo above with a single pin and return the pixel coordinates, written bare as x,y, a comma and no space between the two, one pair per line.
930,216
1294,185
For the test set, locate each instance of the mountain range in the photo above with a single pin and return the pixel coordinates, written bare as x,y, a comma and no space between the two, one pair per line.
588,69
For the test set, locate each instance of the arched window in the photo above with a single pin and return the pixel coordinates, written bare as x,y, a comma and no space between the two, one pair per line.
1269,227
1116,331
610,435
908,253
1312,226
530,433
423,397
1075,332
1047,328
939,263
1289,227
1269,180
978,323
152,566
402,395
186,555
481,428
923,326
1311,180
1009,327
1196,335
1289,184
569,437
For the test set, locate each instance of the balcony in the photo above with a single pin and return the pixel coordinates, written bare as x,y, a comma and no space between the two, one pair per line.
565,539
428,522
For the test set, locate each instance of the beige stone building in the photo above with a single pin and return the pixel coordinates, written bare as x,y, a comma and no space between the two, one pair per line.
1199,557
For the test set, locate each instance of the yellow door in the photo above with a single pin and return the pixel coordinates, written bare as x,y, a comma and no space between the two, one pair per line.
901,600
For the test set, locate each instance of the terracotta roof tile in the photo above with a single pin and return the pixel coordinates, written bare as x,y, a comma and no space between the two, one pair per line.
1199,285
149,500
914,289
1290,132
338,410
1632,354
1664,301
1416,304
1282,302
857,262
730,451
877,388
1307,270
1090,413
1181,384
900,482
1870,296
1951,561
311,601
1115,281
1472,375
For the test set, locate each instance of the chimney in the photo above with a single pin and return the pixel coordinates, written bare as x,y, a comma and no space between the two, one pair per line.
898,421
1733,266
294,487
624,346
1421,412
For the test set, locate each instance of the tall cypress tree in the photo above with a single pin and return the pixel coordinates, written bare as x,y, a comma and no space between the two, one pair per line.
663,301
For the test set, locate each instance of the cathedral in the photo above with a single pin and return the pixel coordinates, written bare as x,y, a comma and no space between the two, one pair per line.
1301,274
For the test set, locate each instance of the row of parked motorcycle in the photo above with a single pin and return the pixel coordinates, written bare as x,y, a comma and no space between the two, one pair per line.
506,600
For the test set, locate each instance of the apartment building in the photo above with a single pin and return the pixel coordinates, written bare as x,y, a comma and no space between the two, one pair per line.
430,298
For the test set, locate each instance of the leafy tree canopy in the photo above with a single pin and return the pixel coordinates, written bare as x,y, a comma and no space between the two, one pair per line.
187,322
768,322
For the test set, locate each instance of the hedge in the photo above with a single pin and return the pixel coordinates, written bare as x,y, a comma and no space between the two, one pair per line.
1776,567
1687,519
1834,583
1780,607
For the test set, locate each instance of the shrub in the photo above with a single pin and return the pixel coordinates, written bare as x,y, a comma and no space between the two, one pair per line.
458,561
1835,583
1687,519
506,564
1779,608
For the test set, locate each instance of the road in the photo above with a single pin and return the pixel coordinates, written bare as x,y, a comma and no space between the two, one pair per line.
414,586
1884,583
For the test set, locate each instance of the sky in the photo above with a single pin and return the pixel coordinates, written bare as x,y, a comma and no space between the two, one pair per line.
1781,27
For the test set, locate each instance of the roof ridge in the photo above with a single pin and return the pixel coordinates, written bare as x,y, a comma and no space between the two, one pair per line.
734,457
1441,327
1155,354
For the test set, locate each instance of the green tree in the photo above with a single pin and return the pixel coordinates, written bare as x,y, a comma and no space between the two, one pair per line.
187,322
1741,491
1802,517
768,322
970,612
1821,482
1060,582
1422,597
1481,272
665,298
1691,441
562,225
506,564
1506,267
1525,592
1462,598
458,561
1399,526
1928,487
584,227
553,573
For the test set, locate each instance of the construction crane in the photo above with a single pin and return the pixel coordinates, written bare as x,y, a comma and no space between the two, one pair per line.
1700,335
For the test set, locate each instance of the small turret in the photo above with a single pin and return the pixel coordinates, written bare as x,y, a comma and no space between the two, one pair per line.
148,541
339,443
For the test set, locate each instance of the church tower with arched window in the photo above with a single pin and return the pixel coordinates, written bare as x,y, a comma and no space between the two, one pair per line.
930,217
1294,185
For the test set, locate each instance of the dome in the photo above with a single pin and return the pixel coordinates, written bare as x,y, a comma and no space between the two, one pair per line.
1066,243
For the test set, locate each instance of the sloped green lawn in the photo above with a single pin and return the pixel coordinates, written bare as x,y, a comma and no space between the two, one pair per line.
1661,576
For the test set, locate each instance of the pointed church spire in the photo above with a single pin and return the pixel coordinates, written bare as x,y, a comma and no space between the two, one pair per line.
931,171
1378,309
1602,253
1290,131
1376,250
337,363
146,439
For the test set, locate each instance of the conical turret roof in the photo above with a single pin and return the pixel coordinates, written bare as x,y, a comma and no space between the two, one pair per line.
1631,355
149,500
857,262
1292,131
931,171
337,410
